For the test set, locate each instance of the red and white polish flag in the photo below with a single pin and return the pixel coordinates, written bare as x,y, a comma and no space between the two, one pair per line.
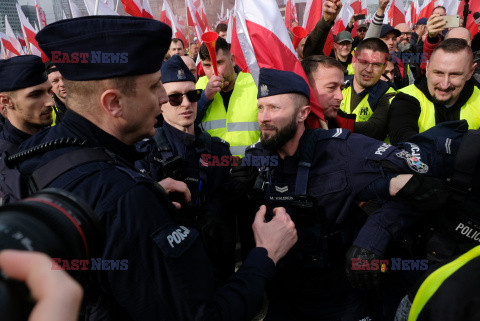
396,14
291,17
29,35
265,42
170,19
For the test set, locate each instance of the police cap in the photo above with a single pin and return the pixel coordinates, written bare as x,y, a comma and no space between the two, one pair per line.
174,69
21,72
273,82
101,47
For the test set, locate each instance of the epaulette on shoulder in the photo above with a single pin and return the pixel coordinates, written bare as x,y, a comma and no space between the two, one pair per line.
257,145
324,134
218,140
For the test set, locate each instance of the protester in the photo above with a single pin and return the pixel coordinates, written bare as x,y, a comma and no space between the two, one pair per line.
193,50
177,47
446,93
191,65
227,108
58,91
221,29
365,95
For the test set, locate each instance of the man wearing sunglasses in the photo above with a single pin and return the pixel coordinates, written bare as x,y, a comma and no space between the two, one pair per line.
180,150
365,95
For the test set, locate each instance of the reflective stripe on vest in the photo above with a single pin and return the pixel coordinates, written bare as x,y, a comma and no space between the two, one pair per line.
239,125
436,279
469,111
363,109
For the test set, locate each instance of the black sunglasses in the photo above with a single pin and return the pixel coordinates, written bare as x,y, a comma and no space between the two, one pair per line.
192,96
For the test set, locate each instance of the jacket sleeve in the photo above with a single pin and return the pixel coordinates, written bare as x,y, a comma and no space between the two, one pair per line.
384,225
403,118
428,47
316,40
376,125
375,27
169,276
202,107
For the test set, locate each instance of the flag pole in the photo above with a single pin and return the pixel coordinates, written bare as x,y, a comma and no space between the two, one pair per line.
116,6
96,8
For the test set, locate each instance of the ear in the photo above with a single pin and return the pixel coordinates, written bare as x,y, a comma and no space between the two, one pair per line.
112,102
6,102
303,113
470,74
233,59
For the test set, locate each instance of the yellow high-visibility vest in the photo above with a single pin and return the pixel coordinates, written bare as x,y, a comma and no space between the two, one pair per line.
239,124
470,111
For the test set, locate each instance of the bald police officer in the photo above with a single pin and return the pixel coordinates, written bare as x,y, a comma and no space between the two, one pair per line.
111,67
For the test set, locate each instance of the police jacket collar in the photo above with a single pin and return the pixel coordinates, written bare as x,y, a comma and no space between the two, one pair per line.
185,138
465,94
12,134
97,137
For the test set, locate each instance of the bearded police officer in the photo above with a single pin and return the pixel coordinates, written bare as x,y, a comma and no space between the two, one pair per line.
318,175
25,100
111,66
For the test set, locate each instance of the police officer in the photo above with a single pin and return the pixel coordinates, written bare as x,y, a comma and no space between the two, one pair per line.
318,175
114,97
25,100
447,93
203,162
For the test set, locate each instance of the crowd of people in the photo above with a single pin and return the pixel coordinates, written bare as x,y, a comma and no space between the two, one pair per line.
372,217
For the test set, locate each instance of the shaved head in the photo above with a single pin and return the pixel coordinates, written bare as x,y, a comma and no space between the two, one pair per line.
460,33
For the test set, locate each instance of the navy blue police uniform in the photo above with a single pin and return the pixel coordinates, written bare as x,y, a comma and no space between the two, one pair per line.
18,73
451,152
168,276
326,176
204,165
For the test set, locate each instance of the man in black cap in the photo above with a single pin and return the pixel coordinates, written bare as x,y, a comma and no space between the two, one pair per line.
111,66
318,176
25,100
203,163
58,91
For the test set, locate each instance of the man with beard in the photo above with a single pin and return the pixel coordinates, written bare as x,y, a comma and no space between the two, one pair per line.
228,106
25,100
318,175
58,91
446,93
365,95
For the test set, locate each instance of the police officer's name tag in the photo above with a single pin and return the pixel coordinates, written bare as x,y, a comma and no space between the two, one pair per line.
413,162
175,240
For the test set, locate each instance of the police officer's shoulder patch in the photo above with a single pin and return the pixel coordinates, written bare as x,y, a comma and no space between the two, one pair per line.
413,162
338,133
257,145
218,140
174,240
